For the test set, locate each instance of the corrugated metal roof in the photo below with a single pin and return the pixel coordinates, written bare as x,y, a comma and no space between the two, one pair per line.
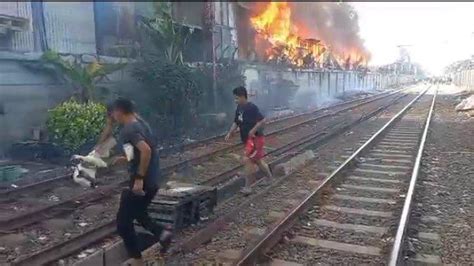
14,9
70,27
21,41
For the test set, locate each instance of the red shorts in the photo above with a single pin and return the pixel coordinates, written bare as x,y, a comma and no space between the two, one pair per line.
254,148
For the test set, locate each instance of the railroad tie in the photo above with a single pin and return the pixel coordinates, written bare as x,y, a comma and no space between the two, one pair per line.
358,211
352,227
351,248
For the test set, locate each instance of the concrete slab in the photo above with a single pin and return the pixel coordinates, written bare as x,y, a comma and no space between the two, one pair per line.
393,141
292,202
380,172
367,188
115,254
395,147
372,179
364,199
303,191
392,155
230,254
276,215
368,250
404,132
230,188
294,163
429,259
401,138
352,227
430,219
254,232
390,151
385,166
13,240
429,236
358,211
395,161
96,259
384,160
276,262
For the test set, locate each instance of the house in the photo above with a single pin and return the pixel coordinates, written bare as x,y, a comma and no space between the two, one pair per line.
101,31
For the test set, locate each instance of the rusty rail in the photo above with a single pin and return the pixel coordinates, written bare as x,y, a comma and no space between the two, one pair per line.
64,206
179,165
77,243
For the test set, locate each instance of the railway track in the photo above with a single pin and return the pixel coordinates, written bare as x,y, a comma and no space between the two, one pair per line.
355,215
198,151
107,228
212,172
356,222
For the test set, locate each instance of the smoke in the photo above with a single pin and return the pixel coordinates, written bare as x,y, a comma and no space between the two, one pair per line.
337,24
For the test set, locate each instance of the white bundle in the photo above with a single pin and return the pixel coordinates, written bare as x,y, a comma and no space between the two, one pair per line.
85,172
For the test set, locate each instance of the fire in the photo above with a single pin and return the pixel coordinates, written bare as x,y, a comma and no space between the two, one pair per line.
291,42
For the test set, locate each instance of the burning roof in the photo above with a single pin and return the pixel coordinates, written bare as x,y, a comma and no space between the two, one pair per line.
308,34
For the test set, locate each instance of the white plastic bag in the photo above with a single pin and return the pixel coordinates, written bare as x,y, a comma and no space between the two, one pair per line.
128,149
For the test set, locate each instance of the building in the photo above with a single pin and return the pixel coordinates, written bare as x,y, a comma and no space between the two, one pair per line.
100,31
107,32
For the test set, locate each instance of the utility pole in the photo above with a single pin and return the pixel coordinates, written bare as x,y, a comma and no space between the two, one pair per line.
211,22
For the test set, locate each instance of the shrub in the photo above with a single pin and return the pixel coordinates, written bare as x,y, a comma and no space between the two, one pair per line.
72,124
171,91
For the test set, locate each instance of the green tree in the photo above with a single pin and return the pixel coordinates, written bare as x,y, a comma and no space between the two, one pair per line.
166,38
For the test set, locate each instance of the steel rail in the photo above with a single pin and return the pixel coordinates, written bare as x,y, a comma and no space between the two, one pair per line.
198,159
179,165
206,234
32,216
396,252
220,178
250,256
181,147
74,244
91,196
69,246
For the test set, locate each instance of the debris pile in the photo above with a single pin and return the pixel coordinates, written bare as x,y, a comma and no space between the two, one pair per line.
466,105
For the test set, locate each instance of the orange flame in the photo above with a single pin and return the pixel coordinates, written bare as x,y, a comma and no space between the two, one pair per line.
274,25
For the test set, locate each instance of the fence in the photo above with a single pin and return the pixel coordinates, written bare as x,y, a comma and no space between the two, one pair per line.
464,78
261,78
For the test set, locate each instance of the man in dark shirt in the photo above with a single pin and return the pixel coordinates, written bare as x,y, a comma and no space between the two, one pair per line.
141,152
250,122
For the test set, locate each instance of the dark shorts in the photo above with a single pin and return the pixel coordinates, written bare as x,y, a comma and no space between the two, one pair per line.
254,148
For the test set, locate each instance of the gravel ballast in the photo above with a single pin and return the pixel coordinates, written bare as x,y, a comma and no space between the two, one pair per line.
443,196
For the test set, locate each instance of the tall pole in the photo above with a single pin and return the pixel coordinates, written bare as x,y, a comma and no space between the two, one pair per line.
210,21
214,66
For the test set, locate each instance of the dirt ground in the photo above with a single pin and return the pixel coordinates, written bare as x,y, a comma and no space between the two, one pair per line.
445,188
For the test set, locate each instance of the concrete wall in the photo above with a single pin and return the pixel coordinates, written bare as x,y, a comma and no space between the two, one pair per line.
25,97
322,84
464,79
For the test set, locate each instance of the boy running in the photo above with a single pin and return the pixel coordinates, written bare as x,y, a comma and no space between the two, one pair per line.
250,122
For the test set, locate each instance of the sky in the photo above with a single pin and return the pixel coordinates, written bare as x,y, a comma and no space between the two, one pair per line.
436,33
